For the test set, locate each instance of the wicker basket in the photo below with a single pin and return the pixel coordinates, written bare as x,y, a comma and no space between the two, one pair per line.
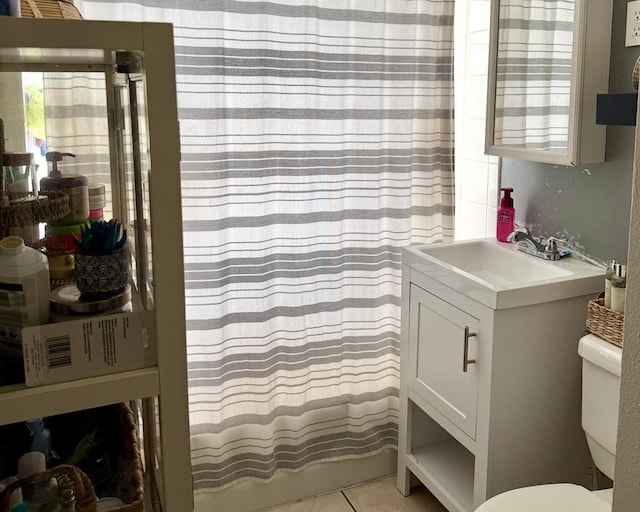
121,451
100,445
56,9
605,323
30,209
86,500
130,463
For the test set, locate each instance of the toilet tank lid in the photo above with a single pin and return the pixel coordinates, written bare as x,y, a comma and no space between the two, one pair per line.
601,353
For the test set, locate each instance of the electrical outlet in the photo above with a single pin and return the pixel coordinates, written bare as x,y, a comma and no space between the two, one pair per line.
633,24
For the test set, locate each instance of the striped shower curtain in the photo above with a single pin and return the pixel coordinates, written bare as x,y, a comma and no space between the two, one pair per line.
317,141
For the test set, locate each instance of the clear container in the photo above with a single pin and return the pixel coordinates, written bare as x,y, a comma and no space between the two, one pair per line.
19,174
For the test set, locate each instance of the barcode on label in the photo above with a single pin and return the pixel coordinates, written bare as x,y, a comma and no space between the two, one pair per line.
58,351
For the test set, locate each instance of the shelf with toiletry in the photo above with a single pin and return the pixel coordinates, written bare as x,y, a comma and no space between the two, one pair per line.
95,298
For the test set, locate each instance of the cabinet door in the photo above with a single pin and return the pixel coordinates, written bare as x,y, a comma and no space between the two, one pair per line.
437,350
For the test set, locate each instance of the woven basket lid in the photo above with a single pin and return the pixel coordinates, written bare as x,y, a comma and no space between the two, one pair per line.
56,9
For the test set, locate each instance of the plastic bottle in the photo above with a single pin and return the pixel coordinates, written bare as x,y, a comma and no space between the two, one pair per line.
40,437
24,288
607,282
619,288
38,495
506,216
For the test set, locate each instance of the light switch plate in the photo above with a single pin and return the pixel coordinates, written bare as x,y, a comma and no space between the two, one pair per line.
633,24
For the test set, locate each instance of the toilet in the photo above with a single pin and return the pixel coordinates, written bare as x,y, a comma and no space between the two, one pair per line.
601,364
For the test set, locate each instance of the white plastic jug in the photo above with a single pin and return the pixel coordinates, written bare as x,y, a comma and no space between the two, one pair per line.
24,288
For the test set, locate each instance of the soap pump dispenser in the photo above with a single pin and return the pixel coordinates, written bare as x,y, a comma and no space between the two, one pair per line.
75,186
506,216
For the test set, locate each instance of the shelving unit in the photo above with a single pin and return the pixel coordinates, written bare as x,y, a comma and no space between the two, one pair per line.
137,63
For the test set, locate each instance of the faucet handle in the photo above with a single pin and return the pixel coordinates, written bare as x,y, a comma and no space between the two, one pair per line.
551,244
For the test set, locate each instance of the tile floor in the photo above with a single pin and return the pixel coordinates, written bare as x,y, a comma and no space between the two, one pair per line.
377,496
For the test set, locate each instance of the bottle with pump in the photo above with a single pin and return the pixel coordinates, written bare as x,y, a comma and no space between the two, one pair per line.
75,186
506,216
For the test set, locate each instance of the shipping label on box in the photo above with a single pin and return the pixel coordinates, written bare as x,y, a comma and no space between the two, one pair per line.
78,349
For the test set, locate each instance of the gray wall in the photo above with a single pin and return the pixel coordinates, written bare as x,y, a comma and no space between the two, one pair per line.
588,205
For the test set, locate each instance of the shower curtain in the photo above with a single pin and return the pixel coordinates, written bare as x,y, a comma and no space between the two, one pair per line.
317,141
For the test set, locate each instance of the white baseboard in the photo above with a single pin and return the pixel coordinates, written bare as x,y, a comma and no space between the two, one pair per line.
288,486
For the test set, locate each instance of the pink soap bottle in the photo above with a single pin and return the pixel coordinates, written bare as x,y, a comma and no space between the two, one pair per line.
506,216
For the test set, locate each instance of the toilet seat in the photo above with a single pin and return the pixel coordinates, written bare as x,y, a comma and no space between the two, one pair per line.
547,498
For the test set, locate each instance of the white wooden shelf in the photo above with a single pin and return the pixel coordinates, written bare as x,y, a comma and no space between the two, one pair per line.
448,467
19,403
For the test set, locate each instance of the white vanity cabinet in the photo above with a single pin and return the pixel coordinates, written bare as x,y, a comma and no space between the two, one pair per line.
512,419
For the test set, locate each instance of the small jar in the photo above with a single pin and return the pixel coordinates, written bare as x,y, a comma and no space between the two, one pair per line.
619,288
97,201
67,304
19,174
58,240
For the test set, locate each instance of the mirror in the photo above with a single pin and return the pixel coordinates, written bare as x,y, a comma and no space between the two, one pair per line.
547,63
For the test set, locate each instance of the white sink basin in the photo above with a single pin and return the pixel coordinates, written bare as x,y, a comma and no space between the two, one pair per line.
499,276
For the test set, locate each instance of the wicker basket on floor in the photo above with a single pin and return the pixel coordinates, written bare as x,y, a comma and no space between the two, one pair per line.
86,500
604,322
56,9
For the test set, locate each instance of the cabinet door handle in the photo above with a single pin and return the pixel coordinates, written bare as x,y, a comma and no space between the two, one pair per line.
465,356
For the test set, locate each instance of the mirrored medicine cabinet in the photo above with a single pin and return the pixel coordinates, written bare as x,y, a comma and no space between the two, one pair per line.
547,63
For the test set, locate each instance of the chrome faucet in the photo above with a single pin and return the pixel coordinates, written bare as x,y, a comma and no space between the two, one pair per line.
547,250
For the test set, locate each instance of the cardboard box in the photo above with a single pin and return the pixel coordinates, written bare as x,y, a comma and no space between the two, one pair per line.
90,347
